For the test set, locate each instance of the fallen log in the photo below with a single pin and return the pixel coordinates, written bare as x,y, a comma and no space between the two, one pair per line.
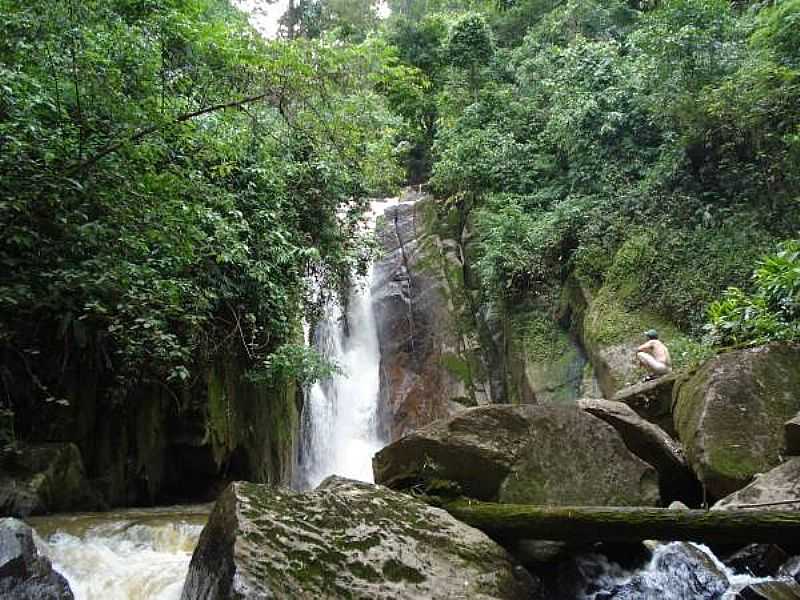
512,522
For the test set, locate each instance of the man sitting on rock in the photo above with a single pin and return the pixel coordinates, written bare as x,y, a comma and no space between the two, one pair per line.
654,356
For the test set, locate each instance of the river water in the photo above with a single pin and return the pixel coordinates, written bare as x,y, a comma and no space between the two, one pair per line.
136,554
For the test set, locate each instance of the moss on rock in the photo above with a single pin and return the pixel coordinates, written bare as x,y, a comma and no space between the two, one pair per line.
345,539
730,413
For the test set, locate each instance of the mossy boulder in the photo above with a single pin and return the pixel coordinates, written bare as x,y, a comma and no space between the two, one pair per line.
781,485
40,478
730,414
611,334
549,453
345,539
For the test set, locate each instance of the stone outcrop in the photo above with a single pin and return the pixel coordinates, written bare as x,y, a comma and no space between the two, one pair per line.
41,478
24,573
426,364
535,454
545,363
345,539
730,414
650,443
155,444
652,400
781,486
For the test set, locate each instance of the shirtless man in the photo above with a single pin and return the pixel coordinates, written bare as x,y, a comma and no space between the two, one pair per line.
654,356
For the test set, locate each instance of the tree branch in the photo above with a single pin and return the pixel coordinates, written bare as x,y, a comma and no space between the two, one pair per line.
142,133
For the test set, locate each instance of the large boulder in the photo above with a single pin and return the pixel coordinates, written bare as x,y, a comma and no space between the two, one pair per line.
778,488
650,443
730,414
345,539
41,478
24,573
534,454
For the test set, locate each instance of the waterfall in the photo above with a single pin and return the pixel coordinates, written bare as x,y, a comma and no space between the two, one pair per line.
339,429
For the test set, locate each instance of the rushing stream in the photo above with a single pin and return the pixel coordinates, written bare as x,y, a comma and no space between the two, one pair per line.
137,554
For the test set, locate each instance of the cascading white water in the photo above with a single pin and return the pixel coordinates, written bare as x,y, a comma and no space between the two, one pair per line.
340,432
340,420
139,554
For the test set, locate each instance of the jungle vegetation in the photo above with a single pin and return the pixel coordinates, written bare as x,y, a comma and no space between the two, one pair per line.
174,186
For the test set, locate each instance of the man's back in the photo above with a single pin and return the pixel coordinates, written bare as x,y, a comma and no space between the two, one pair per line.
659,351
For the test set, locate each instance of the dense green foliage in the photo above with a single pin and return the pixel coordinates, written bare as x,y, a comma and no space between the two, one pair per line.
771,312
174,187
651,149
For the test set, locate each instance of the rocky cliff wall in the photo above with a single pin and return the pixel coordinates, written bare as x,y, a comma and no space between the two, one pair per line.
155,444
429,363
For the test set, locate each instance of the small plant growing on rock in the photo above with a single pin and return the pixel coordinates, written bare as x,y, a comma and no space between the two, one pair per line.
770,313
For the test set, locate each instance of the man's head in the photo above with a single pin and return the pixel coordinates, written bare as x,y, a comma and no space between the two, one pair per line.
651,334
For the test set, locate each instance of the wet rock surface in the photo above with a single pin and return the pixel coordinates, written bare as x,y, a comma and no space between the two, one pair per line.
529,454
346,539
768,590
40,478
760,560
24,573
779,489
677,571
730,414
652,400
422,368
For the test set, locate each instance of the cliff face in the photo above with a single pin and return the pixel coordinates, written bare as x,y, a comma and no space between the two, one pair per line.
154,445
425,372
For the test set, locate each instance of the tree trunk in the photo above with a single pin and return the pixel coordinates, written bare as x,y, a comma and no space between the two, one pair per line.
510,522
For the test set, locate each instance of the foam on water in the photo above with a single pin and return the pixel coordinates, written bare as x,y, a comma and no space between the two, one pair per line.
124,555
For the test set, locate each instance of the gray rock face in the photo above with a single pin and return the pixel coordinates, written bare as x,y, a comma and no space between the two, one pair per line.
346,539
40,478
652,400
422,353
780,485
24,574
650,443
535,454
730,414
